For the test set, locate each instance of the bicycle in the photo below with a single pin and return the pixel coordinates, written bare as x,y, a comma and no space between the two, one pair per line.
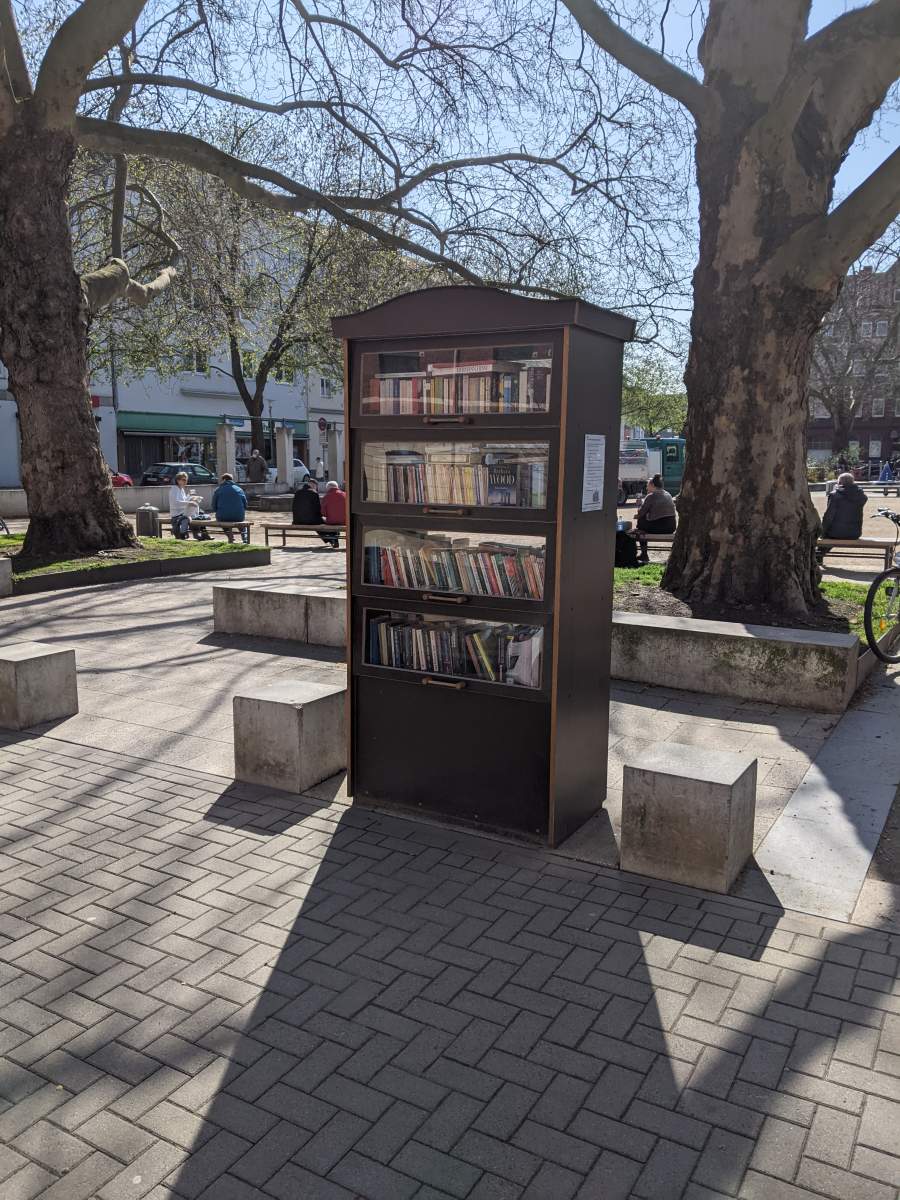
882,612
4,528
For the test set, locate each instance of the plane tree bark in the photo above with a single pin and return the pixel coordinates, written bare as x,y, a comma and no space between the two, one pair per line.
775,114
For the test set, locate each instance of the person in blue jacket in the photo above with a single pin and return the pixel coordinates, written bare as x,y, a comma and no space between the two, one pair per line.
887,474
230,504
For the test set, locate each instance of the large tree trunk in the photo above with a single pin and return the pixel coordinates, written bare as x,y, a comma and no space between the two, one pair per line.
747,529
747,526
43,318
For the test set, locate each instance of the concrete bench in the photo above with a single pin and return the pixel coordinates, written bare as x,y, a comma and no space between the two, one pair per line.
687,815
287,531
37,684
5,575
290,734
290,613
858,548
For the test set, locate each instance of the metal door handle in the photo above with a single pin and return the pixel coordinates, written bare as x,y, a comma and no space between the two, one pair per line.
444,599
456,687
446,420
446,512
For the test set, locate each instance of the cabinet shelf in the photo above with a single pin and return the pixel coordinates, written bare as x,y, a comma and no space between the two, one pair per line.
482,452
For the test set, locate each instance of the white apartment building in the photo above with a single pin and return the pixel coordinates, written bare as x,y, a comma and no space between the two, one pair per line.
166,419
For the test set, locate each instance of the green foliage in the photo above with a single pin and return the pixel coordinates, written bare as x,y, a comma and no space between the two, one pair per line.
653,394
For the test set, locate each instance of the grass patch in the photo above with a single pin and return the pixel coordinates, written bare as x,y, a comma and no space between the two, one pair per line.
849,598
151,550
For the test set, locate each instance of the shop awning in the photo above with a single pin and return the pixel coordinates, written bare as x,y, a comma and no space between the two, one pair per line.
185,425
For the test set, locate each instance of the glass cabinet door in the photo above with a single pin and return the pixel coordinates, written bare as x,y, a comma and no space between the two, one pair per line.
479,381
488,651
484,474
460,562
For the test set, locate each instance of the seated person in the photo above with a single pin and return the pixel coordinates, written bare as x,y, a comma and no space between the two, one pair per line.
307,510
230,504
334,508
656,514
184,507
844,512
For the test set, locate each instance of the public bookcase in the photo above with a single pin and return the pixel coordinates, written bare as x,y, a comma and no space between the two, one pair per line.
482,466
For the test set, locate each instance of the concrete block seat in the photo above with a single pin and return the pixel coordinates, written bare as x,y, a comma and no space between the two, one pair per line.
5,575
37,684
687,815
290,734
291,613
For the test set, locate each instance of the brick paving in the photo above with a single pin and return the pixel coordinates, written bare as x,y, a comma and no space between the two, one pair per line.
212,992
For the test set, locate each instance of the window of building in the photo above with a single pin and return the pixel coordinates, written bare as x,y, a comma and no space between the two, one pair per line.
817,410
195,362
897,295
878,407
865,329
325,388
829,331
859,368
897,406
881,328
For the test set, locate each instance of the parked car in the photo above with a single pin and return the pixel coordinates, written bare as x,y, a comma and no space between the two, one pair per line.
120,479
300,472
164,473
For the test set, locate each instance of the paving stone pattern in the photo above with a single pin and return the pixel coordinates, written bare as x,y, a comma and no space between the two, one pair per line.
208,991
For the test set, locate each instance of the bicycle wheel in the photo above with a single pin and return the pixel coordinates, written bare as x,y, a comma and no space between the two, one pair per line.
883,614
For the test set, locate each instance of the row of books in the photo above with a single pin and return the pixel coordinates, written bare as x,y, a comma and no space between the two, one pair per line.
488,569
493,652
505,485
470,388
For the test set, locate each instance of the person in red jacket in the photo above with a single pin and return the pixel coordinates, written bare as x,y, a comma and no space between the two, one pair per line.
334,509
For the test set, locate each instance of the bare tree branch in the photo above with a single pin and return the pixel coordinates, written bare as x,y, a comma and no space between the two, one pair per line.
645,62
77,46
863,216
13,54
110,138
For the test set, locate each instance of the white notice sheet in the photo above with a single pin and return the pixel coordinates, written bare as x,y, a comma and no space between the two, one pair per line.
594,469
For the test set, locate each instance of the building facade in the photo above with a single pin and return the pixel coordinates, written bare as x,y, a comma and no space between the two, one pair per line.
854,392
155,418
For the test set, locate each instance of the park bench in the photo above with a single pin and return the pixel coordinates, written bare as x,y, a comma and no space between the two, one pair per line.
227,527
858,548
869,486
882,548
287,531
658,541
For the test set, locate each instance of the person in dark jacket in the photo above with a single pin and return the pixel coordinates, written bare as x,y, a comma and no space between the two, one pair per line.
229,503
844,513
307,509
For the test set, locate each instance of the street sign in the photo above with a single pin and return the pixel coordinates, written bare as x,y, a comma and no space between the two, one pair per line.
323,424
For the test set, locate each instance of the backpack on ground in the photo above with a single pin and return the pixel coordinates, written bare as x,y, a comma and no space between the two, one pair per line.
626,550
